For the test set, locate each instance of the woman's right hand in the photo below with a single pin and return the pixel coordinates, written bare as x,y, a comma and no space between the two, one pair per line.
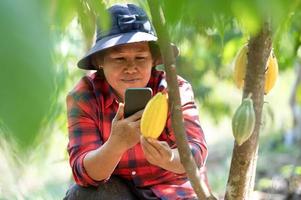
125,132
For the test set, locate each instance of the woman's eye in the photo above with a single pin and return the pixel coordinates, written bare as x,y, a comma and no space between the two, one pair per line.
140,58
119,59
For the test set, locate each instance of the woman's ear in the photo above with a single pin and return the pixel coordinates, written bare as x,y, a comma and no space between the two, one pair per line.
97,60
157,60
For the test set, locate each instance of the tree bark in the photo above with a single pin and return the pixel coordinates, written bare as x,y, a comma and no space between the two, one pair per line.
241,178
186,157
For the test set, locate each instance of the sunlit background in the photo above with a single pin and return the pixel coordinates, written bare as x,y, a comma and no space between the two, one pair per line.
41,42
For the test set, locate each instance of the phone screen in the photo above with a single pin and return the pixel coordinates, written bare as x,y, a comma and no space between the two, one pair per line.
136,99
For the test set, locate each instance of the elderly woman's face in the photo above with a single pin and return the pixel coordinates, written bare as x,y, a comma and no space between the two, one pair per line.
127,66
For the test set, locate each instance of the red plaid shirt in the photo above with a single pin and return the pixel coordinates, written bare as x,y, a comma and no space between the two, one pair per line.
91,107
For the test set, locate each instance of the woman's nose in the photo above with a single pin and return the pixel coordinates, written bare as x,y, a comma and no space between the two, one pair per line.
130,67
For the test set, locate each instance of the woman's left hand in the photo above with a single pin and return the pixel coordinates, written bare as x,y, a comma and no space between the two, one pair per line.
157,152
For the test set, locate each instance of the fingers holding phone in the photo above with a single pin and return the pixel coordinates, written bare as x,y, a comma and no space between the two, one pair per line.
125,132
120,113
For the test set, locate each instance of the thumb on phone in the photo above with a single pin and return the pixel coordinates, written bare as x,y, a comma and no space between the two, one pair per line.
120,111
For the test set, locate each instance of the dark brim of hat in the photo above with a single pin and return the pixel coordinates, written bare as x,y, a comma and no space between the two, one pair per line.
107,42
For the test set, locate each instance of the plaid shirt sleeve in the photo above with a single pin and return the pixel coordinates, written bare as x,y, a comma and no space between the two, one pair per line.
192,125
84,134
182,189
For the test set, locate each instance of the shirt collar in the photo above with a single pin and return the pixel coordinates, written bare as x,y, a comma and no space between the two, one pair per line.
110,97
157,81
104,90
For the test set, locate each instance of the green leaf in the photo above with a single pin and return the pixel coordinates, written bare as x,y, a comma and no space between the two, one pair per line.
99,9
26,73
248,15
62,12
87,20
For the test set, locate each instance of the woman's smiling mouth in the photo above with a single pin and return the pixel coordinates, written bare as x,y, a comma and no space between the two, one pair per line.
131,80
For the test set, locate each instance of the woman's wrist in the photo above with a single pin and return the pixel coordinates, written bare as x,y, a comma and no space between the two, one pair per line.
116,146
174,164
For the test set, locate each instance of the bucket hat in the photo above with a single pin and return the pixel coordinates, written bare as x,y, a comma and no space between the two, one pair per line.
129,24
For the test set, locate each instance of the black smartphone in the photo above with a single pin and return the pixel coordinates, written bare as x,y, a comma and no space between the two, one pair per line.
136,99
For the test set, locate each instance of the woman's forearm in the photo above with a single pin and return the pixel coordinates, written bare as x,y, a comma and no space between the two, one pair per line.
100,163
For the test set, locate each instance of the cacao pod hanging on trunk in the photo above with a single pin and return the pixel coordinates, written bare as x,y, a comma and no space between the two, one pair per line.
243,121
271,73
240,65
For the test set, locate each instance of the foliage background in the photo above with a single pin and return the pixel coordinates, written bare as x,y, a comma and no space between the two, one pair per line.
41,42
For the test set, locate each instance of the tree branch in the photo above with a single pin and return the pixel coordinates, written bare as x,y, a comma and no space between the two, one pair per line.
186,157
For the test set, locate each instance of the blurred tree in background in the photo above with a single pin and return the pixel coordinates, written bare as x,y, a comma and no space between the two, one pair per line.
42,40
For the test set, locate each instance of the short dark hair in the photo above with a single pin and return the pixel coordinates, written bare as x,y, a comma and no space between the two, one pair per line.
155,50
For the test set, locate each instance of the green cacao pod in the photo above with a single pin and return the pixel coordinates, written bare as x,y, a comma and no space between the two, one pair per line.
243,121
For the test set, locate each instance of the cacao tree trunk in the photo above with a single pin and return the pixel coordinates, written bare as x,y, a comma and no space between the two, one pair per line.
244,158
186,157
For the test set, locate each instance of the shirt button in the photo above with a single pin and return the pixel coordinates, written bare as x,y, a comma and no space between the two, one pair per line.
133,173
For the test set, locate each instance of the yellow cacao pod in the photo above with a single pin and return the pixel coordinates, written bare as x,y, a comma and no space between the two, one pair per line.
243,121
271,73
240,65
154,116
